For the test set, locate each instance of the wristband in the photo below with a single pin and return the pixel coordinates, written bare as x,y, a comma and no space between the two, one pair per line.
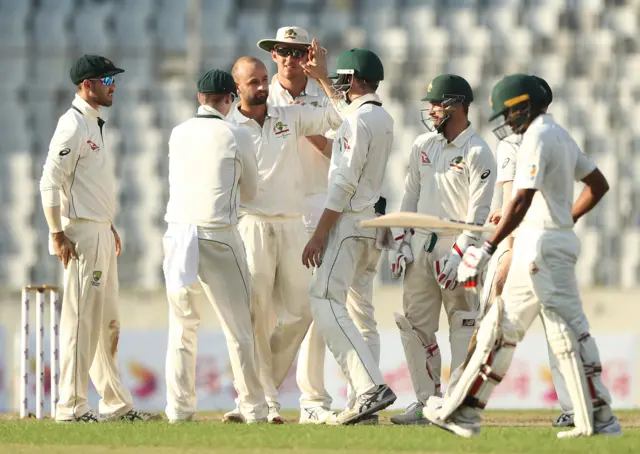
489,247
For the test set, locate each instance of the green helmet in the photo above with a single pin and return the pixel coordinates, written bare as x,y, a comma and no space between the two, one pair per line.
362,63
513,98
547,90
450,90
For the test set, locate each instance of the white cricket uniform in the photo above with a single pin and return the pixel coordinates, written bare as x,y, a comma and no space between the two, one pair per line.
212,168
542,276
315,169
272,230
79,176
449,180
359,158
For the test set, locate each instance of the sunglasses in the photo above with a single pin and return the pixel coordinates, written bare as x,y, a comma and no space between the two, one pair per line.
291,52
107,81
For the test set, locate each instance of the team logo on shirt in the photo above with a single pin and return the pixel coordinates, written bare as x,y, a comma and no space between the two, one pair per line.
533,171
533,268
281,129
505,163
457,163
96,278
64,152
485,174
425,158
345,144
92,145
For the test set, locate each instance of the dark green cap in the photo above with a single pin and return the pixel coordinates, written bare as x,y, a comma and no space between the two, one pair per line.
364,63
92,67
513,90
449,86
547,90
217,82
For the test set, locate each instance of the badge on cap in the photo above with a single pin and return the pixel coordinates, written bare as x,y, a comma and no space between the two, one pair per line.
290,34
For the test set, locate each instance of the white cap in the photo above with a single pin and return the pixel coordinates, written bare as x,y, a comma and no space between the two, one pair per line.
286,35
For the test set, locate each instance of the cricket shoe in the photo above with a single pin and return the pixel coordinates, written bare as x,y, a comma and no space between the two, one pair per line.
133,415
367,404
190,418
89,417
274,416
234,416
371,420
412,415
564,420
317,415
457,423
610,428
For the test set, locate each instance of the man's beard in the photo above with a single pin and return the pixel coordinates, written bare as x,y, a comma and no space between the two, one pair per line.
258,99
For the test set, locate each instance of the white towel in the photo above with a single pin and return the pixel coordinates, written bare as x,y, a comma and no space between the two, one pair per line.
180,263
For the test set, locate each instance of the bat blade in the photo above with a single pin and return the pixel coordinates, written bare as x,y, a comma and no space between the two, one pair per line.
416,220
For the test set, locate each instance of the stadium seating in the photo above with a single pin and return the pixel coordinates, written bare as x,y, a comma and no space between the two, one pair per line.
586,49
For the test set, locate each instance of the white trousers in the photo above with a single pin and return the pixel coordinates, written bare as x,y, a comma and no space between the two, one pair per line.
90,324
542,278
223,277
423,298
349,255
498,271
279,294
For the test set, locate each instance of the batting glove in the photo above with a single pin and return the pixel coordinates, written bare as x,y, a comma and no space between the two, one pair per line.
446,269
473,262
402,256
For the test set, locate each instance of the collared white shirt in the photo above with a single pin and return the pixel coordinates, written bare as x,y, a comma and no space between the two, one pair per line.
550,161
79,173
359,157
212,169
315,166
281,187
451,180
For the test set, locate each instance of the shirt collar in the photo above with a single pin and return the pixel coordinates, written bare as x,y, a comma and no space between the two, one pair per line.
311,89
240,118
542,119
84,107
463,137
208,110
363,99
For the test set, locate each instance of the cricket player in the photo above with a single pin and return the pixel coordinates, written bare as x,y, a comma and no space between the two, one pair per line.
271,225
542,278
498,267
452,174
78,190
341,251
212,168
291,86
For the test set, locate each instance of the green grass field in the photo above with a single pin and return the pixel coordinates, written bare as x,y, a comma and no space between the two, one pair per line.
504,432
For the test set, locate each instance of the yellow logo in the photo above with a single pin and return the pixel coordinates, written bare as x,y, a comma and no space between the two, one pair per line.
429,87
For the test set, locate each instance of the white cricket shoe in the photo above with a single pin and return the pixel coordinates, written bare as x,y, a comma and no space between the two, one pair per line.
133,415
366,405
455,424
412,415
89,417
274,416
317,415
610,428
234,416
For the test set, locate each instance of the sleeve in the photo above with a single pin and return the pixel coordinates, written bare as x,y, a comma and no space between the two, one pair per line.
412,182
317,120
482,182
249,176
354,143
530,168
65,149
584,166
506,154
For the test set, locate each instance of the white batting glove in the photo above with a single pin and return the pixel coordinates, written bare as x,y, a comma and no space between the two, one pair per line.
446,269
402,256
473,262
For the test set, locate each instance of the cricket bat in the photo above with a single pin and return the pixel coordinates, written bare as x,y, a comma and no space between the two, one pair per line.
416,220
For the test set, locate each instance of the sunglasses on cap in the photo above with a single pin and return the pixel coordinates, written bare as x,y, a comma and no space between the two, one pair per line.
291,52
107,81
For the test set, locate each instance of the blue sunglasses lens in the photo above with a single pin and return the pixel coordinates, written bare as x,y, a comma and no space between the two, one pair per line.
108,81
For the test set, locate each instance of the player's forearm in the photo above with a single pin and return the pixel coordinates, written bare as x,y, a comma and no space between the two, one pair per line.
596,187
514,213
54,218
326,222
